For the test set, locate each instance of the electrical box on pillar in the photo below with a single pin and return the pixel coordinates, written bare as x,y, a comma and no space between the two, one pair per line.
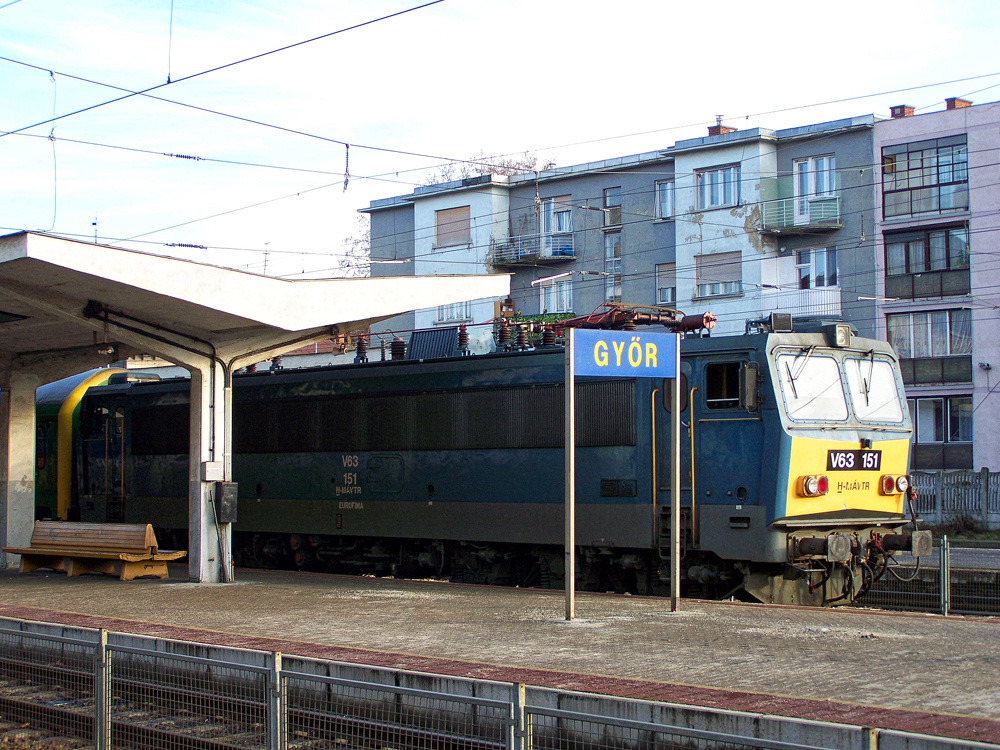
225,501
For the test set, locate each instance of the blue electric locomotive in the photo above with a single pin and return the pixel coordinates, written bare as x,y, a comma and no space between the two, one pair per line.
794,468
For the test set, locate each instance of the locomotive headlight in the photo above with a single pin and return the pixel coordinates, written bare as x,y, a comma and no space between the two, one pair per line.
813,486
902,484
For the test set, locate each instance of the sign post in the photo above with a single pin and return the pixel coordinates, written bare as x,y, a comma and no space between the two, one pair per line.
601,353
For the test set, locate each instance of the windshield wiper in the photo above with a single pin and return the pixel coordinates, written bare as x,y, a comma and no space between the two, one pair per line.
867,382
798,369
791,381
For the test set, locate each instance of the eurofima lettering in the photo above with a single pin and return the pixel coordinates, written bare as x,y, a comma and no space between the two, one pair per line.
624,353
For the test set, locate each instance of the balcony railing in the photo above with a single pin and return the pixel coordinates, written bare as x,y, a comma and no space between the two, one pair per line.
799,215
534,249
823,302
783,212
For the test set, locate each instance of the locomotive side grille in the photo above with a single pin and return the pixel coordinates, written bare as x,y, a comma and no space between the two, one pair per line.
485,419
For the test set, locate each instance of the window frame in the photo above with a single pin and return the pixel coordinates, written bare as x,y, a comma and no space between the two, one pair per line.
457,312
451,227
726,287
944,431
810,264
931,318
727,176
917,176
612,206
954,257
667,273
613,266
663,189
559,291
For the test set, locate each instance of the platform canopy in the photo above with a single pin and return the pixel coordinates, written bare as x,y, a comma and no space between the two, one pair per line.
66,306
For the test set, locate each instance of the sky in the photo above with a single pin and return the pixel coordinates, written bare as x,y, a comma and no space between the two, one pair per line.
240,158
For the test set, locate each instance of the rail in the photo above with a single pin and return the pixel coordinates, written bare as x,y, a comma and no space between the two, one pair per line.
126,691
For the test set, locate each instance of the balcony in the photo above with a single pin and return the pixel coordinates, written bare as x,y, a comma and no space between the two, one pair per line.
784,213
929,284
817,303
533,249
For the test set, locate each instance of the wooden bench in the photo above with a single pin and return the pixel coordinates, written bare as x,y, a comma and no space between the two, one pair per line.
78,548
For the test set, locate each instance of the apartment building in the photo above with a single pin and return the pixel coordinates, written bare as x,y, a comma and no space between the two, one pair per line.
889,224
741,223
938,252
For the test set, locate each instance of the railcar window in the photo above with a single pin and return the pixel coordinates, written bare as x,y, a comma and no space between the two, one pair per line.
94,418
811,387
722,385
874,393
160,430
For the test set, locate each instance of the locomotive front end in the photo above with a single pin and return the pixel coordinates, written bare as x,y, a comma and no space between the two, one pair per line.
844,499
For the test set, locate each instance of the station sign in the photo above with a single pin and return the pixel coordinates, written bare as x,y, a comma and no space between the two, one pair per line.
631,354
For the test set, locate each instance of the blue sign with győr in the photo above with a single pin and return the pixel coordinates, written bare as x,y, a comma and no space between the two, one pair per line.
634,354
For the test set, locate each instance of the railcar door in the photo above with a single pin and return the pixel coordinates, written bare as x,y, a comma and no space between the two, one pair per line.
102,495
663,461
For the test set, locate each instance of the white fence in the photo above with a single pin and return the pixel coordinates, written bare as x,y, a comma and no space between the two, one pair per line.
950,496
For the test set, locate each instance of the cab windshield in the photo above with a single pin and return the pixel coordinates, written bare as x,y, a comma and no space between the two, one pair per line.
817,387
811,386
871,383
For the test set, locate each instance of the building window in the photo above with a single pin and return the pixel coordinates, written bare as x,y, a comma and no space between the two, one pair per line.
718,187
666,283
925,177
557,215
941,420
816,268
929,250
814,177
612,206
453,226
556,296
720,273
460,311
939,333
613,266
942,432
664,199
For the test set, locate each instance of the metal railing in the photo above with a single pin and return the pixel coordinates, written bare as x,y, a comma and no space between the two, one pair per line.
126,691
953,580
533,248
811,211
820,302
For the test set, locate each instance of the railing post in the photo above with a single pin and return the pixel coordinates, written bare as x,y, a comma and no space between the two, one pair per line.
102,693
939,489
276,730
516,737
944,570
984,496
869,738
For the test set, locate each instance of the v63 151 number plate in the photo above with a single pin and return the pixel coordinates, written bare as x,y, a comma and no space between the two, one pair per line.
853,460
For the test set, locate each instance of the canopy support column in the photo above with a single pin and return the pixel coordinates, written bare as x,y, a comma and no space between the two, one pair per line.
17,461
209,542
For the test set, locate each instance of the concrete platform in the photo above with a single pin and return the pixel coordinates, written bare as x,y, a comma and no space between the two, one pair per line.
919,673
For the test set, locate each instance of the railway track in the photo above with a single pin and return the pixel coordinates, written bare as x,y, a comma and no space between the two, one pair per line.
154,717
